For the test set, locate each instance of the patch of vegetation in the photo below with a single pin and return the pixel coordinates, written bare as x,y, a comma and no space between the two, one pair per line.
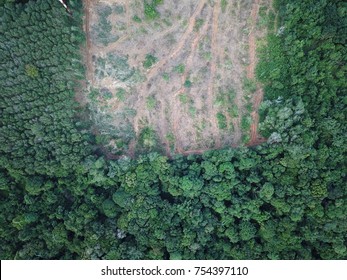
151,102
246,122
121,94
149,61
245,138
166,76
150,9
225,98
170,137
222,121
114,66
106,93
249,85
192,111
183,98
137,19
180,68
263,18
38,133
198,24
148,140
93,95
102,31
249,107
233,111
187,84
207,56
224,4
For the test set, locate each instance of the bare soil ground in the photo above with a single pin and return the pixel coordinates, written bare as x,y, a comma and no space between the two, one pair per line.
203,52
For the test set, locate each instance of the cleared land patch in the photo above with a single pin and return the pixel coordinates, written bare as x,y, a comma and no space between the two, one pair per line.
173,76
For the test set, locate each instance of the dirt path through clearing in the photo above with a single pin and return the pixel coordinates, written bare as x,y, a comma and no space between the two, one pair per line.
236,121
154,71
181,42
189,63
255,138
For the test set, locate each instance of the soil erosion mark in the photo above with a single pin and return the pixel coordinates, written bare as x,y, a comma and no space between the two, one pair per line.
258,96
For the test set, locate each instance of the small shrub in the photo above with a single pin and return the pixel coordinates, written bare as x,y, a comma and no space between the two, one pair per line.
106,93
246,123
199,22
170,137
187,84
183,98
150,12
151,102
192,111
166,77
148,139
245,138
249,85
120,94
234,111
180,69
149,61
222,121
137,19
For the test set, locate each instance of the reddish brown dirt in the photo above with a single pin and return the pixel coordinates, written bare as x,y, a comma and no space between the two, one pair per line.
256,139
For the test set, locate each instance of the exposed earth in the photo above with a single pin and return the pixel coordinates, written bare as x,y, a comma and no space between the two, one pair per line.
182,82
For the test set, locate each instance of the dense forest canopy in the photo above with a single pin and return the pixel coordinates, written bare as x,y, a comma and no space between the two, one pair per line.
285,199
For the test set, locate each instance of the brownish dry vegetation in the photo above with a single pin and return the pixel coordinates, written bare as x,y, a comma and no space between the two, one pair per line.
181,83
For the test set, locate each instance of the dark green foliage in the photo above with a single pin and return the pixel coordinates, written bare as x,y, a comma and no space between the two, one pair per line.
150,9
198,24
187,84
149,61
137,19
40,66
